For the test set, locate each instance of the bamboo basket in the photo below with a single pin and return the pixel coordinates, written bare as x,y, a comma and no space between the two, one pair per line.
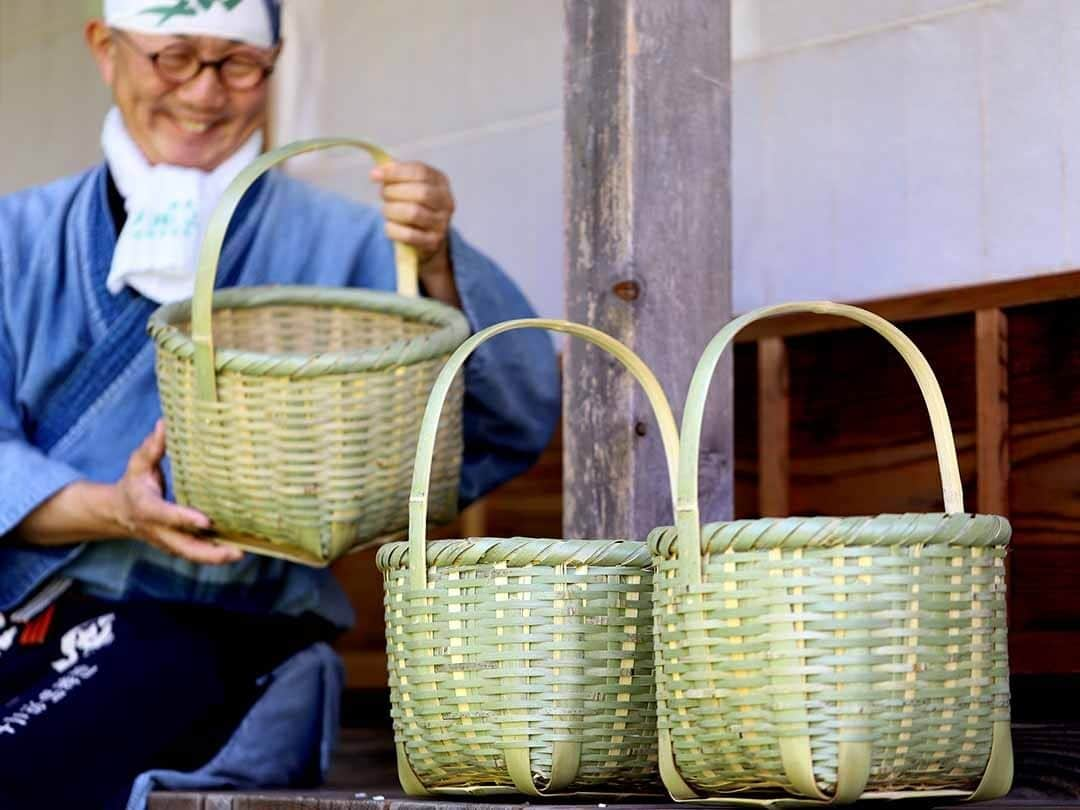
291,423
805,661
521,665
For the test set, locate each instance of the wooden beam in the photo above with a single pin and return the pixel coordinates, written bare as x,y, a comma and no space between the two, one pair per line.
774,429
648,247
1035,290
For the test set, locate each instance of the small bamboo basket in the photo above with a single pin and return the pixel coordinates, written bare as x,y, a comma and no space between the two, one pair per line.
821,660
521,665
295,433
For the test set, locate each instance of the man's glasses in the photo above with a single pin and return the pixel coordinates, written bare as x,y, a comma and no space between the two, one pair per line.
180,63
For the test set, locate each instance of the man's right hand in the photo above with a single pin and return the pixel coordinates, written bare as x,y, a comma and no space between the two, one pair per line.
144,514
134,508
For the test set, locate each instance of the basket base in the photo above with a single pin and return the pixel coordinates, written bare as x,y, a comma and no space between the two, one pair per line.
261,545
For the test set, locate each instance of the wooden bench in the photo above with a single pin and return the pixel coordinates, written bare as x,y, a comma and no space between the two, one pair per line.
364,778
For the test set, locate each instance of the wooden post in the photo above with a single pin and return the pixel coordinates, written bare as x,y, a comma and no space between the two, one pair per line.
992,419
992,411
774,429
648,247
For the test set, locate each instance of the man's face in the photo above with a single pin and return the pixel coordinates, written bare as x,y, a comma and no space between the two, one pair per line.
198,123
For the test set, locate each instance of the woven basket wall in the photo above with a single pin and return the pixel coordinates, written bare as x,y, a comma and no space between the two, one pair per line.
523,644
295,430
521,665
828,659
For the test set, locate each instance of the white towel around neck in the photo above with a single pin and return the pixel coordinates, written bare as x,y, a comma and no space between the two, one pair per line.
168,210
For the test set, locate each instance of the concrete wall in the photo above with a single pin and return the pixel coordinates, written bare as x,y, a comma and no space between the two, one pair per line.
52,100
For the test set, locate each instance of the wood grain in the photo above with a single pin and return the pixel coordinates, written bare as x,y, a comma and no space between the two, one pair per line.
648,246
774,428
992,418
1045,592
992,411
860,434
936,304
364,778
747,504
1044,481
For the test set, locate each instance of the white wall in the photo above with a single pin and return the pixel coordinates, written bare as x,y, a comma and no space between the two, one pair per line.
881,147
52,100
473,87
896,146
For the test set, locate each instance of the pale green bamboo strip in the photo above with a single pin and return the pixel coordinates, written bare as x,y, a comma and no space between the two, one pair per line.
201,331
687,517
395,331
429,425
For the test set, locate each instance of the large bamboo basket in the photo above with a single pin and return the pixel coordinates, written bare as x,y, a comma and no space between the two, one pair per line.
292,422
803,661
521,665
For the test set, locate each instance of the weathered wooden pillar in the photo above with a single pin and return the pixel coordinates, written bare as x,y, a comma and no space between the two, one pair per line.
648,247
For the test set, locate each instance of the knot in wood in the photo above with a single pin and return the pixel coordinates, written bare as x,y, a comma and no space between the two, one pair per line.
627,290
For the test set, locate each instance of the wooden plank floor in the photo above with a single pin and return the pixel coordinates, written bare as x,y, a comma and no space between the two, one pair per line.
364,778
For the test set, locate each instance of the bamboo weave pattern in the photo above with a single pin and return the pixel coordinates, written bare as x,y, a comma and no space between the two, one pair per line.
292,424
887,630
523,643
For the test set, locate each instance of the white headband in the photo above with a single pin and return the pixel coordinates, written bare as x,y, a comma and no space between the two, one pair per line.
248,21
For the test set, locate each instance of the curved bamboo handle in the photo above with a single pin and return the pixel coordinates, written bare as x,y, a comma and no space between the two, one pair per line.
202,304
687,518
425,445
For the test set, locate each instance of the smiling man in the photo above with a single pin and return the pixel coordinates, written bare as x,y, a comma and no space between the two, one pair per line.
134,652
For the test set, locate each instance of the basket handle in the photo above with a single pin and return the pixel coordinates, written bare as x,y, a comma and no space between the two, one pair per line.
687,518
405,256
425,445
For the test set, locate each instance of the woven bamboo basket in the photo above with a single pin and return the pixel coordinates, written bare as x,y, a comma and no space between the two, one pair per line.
804,661
521,665
292,422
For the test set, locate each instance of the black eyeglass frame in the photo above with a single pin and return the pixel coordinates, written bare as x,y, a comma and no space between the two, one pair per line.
201,64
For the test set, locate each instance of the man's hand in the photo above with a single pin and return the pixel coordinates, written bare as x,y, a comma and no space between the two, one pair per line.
134,508
144,514
417,207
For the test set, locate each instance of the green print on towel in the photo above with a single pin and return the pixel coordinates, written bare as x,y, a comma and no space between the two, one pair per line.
187,8
178,220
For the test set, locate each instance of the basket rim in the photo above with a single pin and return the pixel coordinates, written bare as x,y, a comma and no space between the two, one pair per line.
518,552
963,529
453,330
